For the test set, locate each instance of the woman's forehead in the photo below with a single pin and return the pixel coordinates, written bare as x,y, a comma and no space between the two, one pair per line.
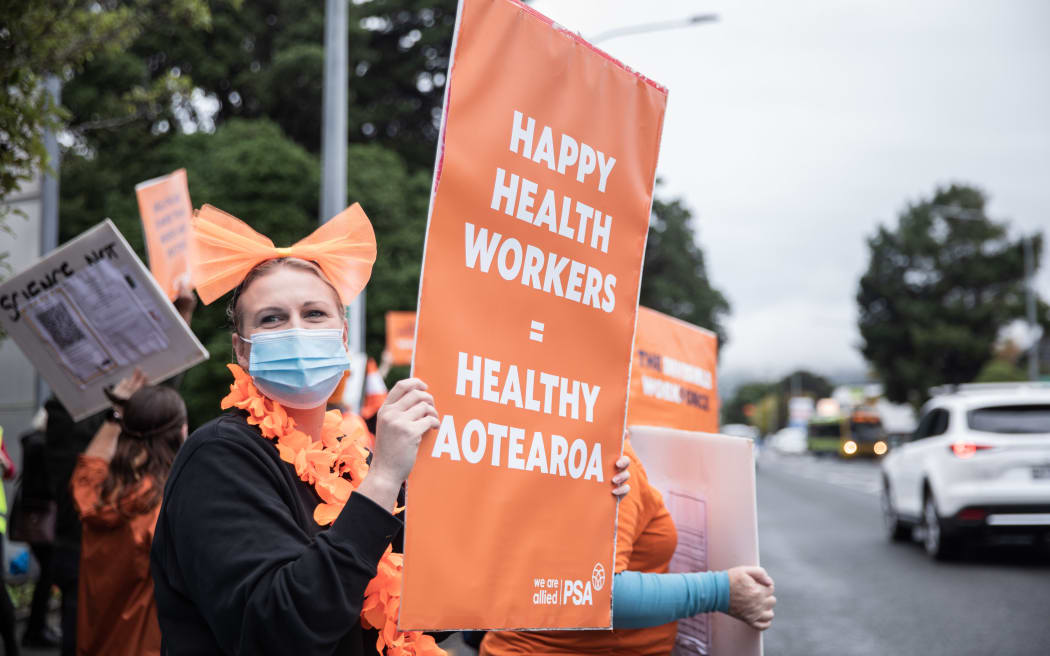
287,286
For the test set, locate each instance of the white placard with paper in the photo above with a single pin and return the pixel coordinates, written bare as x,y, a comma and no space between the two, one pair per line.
88,313
708,485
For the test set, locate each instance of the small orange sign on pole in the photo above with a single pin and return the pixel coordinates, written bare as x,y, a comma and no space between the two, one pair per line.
674,377
166,211
400,336
537,228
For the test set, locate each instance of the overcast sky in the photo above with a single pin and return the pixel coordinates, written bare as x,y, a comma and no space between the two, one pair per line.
794,129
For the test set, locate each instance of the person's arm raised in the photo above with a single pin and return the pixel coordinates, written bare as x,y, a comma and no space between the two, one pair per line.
185,301
104,444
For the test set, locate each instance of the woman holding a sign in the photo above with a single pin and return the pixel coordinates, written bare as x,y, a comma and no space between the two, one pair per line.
241,560
647,601
260,546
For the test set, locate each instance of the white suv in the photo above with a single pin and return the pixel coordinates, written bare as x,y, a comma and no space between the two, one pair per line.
977,465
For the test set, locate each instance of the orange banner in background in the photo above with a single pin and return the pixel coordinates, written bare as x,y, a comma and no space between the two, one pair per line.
538,221
674,378
400,336
166,211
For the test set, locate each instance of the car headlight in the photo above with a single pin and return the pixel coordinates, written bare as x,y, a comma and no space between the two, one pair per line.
880,448
849,448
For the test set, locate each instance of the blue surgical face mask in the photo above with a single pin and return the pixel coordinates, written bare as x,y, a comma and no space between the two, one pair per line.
298,368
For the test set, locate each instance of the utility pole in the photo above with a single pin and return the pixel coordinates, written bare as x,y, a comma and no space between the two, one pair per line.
1029,273
333,141
49,204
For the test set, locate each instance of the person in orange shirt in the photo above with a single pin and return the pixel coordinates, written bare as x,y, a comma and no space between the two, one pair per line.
117,487
647,601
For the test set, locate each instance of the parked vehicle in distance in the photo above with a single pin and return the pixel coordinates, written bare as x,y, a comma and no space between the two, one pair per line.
789,440
977,466
740,430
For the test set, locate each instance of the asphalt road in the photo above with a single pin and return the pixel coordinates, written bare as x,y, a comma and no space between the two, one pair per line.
844,589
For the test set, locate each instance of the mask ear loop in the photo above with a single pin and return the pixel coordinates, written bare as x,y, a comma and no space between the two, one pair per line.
246,341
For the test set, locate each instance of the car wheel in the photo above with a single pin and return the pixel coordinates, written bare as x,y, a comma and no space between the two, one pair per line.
937,543
896,530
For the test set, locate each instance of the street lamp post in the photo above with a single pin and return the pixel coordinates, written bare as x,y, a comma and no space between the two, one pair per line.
654,27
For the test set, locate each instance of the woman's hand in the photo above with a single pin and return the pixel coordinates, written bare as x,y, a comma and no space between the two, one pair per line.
751,597
185,300
127,386
619,481
104,444
406,415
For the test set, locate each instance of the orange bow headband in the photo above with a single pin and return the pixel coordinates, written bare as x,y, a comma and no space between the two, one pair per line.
225,249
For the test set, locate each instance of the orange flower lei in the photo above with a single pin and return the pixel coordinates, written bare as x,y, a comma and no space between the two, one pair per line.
335,465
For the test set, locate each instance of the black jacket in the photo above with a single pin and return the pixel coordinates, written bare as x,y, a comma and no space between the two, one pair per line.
33,478
239,565
66,439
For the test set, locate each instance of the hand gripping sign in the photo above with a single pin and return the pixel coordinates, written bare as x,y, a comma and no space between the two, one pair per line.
538,220
673,380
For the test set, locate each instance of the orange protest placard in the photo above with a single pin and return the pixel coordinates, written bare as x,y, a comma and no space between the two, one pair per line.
400,336
538,221
674,377
166,211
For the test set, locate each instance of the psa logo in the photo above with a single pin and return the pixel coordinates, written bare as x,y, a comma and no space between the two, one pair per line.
580,593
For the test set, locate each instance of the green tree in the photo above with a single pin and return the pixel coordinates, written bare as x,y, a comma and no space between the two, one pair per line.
265,59
245,124
770,399
999,370
734,411
248,168
674,275
252,170
799,383
938,290
57,38
767,417
250,137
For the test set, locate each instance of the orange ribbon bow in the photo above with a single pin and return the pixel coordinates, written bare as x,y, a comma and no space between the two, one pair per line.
225,249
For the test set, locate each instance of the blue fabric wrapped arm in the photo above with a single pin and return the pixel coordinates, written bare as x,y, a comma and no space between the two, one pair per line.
642,600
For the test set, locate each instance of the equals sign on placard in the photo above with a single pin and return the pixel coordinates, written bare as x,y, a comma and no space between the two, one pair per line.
536,334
